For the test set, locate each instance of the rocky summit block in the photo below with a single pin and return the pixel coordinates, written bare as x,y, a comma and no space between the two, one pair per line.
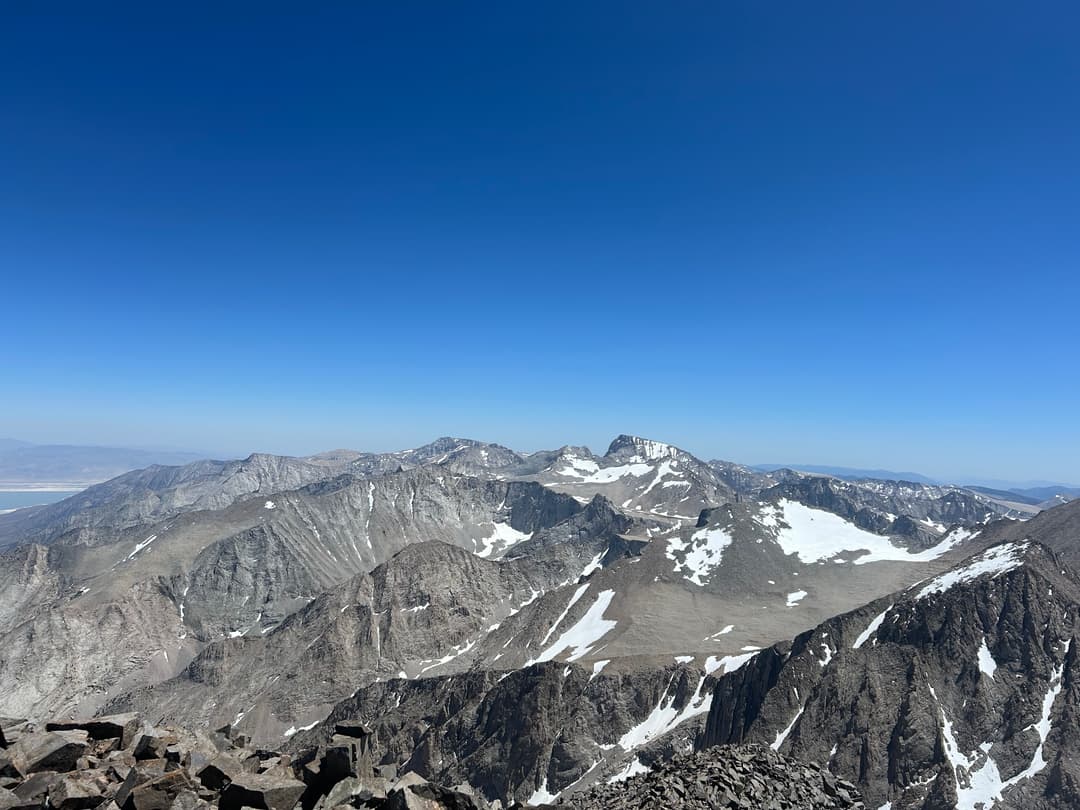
49,751
746,777
78,765
269,791
159,793
122,727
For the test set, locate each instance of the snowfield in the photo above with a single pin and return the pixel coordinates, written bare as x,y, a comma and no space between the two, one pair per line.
815,535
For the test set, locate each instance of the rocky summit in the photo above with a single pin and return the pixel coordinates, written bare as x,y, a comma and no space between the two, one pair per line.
121,763
741,777
461,625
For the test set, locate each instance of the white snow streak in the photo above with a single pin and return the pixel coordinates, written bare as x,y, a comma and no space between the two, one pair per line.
140,546
580,638
664,717
864,636
987,664
783,735
573,601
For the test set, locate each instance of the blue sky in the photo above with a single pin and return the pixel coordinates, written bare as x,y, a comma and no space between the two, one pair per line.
839,233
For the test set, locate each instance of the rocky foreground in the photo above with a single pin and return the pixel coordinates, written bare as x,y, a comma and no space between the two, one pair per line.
121,763
746,777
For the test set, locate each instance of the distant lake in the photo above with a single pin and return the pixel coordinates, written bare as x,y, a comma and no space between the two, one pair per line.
17,500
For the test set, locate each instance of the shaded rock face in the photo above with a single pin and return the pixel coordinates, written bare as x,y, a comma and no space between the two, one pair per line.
960,690
746,776
533,732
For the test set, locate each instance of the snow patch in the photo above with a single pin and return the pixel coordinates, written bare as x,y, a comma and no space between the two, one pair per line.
294,730
541,794
993,562
864,636
727,663
795,597
502,537
573,600
702,553
664,717
633,768
825,648
987,664
611,474
581,638
593,565
140,546
816,535
783,735
575,466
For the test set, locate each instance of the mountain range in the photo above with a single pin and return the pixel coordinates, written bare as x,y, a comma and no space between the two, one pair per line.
538,624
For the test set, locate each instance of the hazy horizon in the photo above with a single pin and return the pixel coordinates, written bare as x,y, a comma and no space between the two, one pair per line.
597,447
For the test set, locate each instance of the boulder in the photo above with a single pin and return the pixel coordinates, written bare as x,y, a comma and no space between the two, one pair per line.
357,790
9,800
37,785
9,768
353,729
219,772
78,791
11,729
152,744
413,792
159,793
269,791
49,750
139,774
123,727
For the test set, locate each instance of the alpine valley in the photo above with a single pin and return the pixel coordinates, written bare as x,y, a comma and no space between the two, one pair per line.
554,626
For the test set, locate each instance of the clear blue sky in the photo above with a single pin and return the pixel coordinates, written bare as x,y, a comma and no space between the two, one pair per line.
838,233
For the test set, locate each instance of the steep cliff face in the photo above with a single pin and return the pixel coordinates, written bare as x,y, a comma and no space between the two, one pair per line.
960,690
529,734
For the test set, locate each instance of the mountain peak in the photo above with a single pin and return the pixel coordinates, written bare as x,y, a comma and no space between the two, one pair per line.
647,449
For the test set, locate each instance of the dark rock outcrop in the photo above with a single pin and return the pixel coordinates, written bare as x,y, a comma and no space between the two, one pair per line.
745,776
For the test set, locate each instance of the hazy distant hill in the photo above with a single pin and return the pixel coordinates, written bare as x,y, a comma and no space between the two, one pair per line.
850,473
23,462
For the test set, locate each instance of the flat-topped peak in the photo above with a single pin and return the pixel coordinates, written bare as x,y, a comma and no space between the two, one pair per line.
648,449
